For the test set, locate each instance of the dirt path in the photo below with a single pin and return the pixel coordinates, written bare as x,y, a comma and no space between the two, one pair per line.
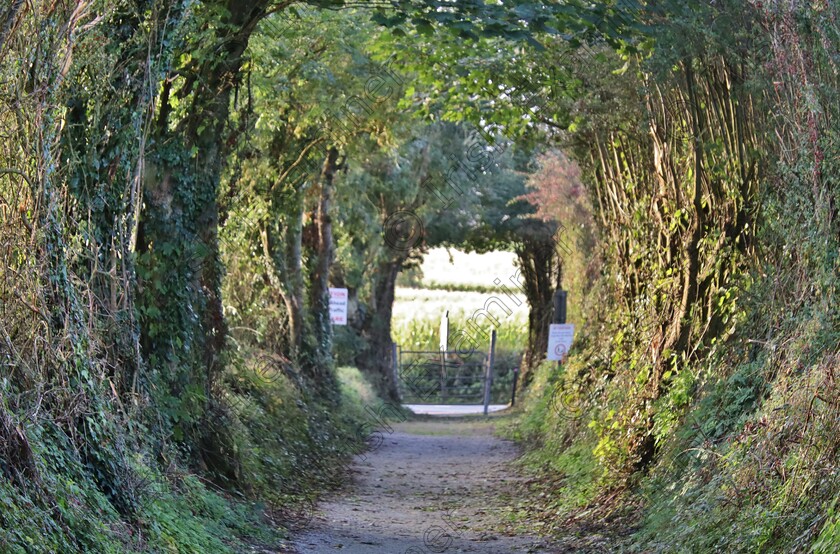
432,486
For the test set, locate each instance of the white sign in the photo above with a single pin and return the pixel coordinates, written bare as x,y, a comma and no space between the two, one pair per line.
560,336
338,306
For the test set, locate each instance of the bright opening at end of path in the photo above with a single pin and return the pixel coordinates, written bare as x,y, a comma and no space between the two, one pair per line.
453,409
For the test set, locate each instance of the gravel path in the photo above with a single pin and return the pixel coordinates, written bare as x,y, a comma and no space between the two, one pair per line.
433,486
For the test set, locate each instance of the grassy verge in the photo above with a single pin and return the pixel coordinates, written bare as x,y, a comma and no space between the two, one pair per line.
746,446
282,451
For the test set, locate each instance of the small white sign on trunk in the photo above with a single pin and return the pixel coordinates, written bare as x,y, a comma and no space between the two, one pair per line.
560,336
338,306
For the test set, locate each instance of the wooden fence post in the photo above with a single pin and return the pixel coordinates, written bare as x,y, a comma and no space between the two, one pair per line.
443,392
396,369
488,376
513,391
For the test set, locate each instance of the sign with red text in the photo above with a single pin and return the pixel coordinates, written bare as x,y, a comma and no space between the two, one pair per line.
338,306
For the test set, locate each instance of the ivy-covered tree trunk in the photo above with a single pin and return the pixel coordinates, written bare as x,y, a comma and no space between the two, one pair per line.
183,327
111,140
319,368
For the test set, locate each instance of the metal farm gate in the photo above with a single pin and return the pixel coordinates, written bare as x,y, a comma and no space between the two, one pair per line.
451,378
428,377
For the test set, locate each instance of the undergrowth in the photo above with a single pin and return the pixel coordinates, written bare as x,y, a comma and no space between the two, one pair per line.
735,448
284,449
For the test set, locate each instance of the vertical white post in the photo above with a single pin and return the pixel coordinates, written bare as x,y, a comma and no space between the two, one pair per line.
443,346
443,339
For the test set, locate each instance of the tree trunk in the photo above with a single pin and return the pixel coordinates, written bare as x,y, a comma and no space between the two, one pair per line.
283,266
7,21
294,283
539,275
183,327
377,359
320,369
